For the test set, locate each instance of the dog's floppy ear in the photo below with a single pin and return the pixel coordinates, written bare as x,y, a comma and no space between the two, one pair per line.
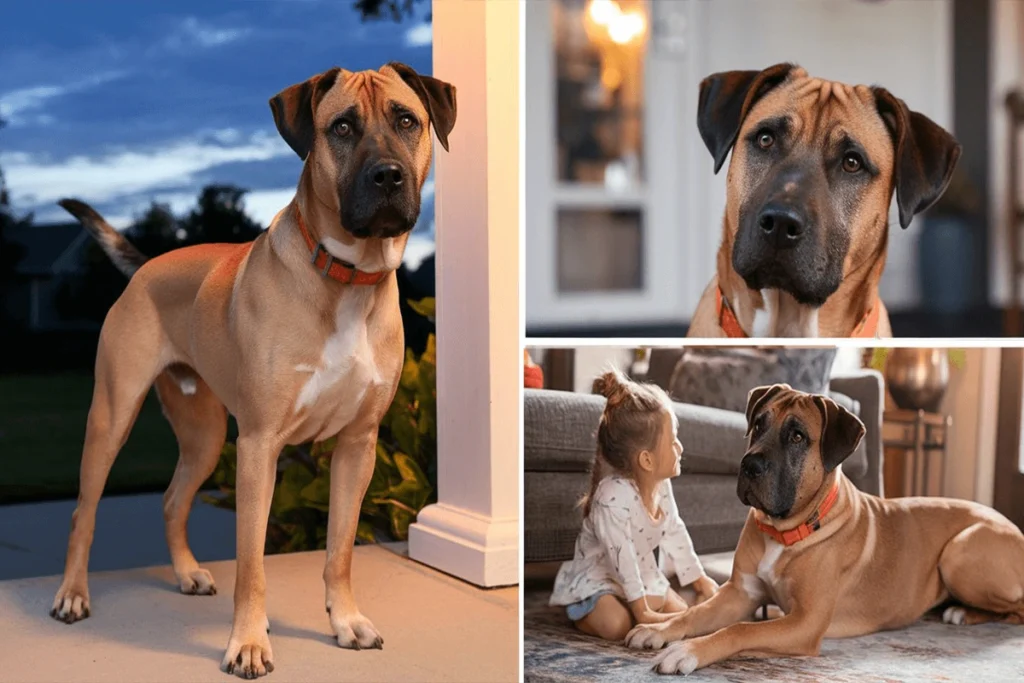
925,155
438,99
760,396
725,100
293,110
841,432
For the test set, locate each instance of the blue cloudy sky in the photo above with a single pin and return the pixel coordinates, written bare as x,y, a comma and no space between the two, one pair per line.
122,103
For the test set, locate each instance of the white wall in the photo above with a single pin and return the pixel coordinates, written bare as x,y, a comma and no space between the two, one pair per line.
903,45
1007,55
591,361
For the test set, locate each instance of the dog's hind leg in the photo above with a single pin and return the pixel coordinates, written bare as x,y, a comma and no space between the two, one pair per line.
127,361
199,421
983,568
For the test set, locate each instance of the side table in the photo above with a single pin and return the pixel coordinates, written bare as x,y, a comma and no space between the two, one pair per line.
919,434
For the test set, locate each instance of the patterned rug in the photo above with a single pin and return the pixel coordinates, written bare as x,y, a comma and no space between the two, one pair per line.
928,651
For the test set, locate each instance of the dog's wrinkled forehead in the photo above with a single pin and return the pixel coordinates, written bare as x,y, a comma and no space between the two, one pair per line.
368,95
786,403
828,113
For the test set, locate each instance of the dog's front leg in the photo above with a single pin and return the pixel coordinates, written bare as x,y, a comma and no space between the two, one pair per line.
796,634
730,604
248,652
351,468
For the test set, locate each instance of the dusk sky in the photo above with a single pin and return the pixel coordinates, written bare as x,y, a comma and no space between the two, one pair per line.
123,103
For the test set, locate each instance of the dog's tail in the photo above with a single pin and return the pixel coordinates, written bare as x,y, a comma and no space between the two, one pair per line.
123,253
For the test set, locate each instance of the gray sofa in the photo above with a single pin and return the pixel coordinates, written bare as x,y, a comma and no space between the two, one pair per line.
559,444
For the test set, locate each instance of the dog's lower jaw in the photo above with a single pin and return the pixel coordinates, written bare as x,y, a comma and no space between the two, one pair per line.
784,316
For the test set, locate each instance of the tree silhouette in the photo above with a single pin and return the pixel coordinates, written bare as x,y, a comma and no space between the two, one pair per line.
10,253
396,10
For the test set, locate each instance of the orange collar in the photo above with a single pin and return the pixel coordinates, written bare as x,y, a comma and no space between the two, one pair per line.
343,272
813,523
867,328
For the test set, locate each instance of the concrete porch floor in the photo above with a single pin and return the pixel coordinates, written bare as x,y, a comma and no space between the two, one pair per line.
436,628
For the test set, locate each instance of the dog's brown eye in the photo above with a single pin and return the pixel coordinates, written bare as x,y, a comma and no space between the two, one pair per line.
343,128
406,121
852,163
765,140
796,437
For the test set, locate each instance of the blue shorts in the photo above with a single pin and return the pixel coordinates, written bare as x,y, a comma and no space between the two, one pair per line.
578,610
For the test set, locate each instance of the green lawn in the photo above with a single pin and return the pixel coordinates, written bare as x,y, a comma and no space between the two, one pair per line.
42,427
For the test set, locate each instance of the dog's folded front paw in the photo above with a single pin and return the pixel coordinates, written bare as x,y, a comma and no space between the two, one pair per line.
646,637
71,604
678,658
355,632
248,655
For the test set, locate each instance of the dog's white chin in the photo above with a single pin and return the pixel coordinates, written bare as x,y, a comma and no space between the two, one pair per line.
784,316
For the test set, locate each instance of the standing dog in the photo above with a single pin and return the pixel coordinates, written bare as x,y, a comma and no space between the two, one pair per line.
297,334
837,561
814,167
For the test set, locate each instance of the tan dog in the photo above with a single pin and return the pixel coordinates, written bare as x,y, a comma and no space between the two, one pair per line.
296,351
837,561
814,167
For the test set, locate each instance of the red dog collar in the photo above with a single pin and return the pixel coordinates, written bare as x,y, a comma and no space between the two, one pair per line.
730,324
343,272
813,523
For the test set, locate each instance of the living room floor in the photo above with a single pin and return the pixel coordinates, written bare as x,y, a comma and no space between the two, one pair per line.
142,629
926,652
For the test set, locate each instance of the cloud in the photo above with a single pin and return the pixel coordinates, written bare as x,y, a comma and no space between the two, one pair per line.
191,33
130,172
419,35
18,107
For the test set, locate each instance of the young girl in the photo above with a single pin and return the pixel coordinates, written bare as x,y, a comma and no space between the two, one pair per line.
615,581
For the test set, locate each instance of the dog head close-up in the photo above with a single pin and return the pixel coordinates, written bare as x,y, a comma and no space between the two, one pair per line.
814,167
795,440
365,138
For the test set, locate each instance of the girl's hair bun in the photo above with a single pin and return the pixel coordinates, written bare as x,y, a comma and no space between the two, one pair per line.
613,385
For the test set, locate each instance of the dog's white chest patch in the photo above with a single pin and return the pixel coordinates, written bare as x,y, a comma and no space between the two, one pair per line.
766,567
347,368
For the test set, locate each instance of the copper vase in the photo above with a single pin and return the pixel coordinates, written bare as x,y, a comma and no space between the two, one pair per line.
917,378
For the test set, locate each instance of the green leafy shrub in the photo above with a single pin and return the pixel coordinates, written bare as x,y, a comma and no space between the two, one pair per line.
404,479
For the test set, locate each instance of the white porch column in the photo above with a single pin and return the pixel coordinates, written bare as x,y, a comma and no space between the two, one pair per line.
472,531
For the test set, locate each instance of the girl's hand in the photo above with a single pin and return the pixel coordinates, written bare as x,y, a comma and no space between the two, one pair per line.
643,614
704,587
652,617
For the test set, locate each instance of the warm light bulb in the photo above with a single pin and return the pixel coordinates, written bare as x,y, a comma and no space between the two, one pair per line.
626,27
603,12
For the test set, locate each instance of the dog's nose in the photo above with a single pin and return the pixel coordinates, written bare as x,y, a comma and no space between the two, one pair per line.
781,225
753,465
387,175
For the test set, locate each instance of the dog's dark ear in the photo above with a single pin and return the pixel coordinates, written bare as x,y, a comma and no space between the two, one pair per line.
293,110
725,100
841,432
925,155
760,396
437,97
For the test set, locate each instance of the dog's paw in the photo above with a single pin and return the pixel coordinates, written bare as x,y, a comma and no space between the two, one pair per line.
678,658
646,637
355,632
955,614
71,604
248,655
197,582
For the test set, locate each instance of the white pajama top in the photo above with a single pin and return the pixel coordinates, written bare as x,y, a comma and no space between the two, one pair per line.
615,548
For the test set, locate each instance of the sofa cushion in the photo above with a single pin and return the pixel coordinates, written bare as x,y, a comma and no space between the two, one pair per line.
707,503
560,434
723,377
